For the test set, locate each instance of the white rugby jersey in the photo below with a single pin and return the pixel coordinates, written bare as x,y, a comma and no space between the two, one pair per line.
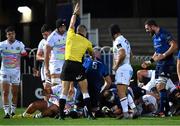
57,42
41,46
121,42
11,54
149,99
56,92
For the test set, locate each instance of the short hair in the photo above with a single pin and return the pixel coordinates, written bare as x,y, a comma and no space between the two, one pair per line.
150,22
81,29
45,28
114,29
10,29
60,22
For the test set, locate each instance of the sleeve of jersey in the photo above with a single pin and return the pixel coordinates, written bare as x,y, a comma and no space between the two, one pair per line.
40,46
70,32
178,55
90,49
105,70
23,51
168,37
50,41
1,47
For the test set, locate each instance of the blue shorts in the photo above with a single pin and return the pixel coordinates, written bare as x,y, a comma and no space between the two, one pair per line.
164,71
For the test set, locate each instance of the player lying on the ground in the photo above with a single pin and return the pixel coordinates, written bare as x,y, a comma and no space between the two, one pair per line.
47,108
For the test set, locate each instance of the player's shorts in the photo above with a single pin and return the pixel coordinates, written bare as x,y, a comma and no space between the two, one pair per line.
150,73
55,67
123,74
73,71
10,76
164,71
149,99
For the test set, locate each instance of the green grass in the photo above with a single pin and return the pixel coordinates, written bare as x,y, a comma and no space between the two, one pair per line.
83,121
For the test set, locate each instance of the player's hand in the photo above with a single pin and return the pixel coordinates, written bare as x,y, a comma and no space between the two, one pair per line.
71,92
77,9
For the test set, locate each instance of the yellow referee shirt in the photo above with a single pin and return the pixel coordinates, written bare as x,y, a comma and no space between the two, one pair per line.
76,46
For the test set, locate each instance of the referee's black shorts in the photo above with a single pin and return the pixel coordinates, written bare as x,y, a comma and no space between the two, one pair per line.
72,71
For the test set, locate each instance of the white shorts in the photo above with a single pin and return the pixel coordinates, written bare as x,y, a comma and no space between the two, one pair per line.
10,76
55,67
123,74
149,99
150,73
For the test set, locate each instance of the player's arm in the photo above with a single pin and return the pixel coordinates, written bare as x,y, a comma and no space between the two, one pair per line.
23,50
107,83
120,58
74,16
172,49
178,69
131,56
46,59
40,54
145,64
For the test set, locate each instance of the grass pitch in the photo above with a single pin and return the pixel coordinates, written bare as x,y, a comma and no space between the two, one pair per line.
83,121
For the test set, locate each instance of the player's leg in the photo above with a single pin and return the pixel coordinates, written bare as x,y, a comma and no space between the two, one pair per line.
55,71
40,105
162,74
51,111
5,84
84,89
63,97
14,90
122,93
15,81
5,94
123,76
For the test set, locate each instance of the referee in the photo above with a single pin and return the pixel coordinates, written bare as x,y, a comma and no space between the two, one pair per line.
76,46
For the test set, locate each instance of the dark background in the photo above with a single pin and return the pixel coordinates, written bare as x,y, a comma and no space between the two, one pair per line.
47,11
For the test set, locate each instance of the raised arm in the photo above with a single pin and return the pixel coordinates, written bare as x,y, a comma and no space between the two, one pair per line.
74,16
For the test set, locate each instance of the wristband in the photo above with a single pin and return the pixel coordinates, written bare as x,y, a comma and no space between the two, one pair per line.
75,14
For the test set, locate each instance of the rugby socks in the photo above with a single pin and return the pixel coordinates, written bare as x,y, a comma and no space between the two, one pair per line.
163,100
87,103
6,109
124,104
62,103
13,108
131,102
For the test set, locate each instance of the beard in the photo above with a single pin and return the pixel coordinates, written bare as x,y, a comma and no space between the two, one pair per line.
151,33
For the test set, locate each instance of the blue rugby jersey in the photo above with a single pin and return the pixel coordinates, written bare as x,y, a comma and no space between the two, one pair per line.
96,70
178,57
161,44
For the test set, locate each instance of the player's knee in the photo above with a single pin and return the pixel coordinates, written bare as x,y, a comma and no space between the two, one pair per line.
5,93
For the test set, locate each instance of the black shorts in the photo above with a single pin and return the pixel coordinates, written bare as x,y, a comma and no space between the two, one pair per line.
72,71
